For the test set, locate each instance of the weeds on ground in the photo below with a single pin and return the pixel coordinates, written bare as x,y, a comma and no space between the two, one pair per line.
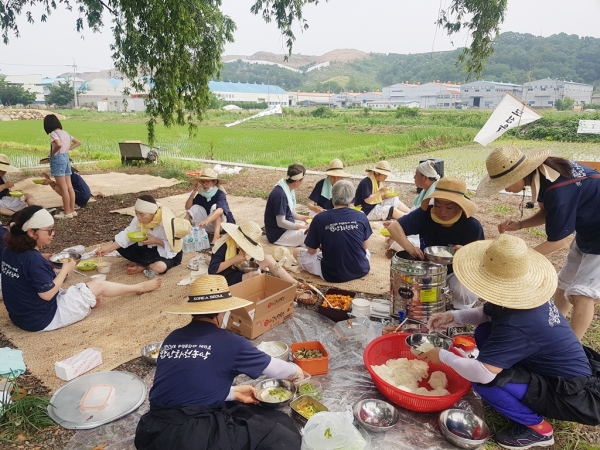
503,210
536,232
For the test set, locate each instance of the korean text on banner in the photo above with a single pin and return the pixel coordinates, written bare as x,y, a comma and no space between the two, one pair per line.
510,113
267,112
589,127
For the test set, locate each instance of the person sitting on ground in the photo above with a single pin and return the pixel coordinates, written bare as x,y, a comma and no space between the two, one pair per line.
207,205
567,194
320,197
8,204
342,234
283,225
162,248
33,293
193,403
530,363
448,221
238,246
371,196
80,187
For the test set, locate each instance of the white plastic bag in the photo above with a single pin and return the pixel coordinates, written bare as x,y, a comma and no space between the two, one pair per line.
332,431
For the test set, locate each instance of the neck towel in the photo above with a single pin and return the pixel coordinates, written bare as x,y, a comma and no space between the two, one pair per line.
291,195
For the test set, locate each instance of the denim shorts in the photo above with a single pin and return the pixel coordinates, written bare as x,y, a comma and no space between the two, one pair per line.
60,166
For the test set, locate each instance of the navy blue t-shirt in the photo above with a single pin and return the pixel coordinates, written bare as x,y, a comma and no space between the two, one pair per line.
82,190
4,192
540,339
364,190
24,275
573,207
341,232
3,233
232,275
463,232
197,365
277,205
219,199
316,196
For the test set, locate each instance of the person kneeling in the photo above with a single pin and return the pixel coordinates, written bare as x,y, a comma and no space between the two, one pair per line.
240,245
342,233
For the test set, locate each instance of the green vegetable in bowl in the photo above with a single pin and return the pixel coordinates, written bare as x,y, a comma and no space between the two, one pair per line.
275,395
328,434
305,353
310,390
307,411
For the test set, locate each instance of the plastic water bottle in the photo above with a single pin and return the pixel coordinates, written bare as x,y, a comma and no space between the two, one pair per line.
185,247
189,240
196,237
204,239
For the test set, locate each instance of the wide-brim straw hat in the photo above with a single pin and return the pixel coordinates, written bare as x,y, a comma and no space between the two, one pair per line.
382,167
209,294
454,190
208,174
246,235
5,165
336,169
175,228
506,272
507,165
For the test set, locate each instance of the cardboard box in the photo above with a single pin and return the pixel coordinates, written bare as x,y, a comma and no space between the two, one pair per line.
273,304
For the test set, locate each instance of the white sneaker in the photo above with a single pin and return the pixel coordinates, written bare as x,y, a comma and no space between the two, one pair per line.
74,214
61,216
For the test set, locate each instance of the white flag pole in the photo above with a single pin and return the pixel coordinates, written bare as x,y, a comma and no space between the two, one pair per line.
510,113
276,109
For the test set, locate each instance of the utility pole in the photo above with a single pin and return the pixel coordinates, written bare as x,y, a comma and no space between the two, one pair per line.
74,88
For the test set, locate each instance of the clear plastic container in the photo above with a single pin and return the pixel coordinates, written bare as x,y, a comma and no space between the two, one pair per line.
312,388
97,398
348,330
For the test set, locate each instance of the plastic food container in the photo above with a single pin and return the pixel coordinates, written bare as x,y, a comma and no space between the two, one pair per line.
350,331
314,366
361,306
104,267
97,398
137,236
332,313
17,193
302,405
311,388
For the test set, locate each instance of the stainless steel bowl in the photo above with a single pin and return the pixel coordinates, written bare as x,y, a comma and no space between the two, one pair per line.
375,415
302,402
248,266
463,428
272,383
147,350
417,339
431,253
55,259
276,349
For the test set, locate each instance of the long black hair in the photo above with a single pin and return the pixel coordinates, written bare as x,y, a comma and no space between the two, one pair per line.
17,239
51,123
561,165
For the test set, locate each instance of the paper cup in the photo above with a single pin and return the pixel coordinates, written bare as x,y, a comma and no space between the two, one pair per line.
361,306
103,267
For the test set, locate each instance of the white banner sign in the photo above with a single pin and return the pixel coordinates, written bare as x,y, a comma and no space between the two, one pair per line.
589,127
276,109
510,113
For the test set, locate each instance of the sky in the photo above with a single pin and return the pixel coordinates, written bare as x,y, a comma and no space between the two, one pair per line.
381,26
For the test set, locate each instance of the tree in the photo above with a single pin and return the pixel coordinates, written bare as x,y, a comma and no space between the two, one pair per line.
176,45
13,94
60,94
565,104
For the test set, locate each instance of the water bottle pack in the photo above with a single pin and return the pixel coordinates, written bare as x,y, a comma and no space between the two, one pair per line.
196,241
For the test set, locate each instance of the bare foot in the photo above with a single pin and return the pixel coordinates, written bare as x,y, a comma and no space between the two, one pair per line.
149,285
132,270
131,264
97,302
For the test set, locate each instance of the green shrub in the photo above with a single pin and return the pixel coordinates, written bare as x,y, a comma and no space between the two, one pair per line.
322,111
405,111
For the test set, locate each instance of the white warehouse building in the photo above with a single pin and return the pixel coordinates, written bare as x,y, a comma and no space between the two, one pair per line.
544,93
250,93
487,94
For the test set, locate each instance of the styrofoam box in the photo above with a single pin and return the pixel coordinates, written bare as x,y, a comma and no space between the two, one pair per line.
72,367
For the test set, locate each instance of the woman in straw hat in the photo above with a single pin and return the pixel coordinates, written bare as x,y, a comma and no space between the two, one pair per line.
8,204
193,404
283,225
567,194
240,245
320,197
33,293
162,248
341,234
371,195
530,363
448,221
207,205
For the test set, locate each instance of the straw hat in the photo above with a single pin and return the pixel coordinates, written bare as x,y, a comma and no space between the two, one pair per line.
246,235
507,165
336,169
175,228
506,272
208,174
382,167
454,190
209,294
281,252
5,165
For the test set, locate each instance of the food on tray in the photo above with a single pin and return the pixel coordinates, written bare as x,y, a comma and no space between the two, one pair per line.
154,353
425,347
406,374
275,395
305,353
444,254
310,390
338,301
88,264
307,411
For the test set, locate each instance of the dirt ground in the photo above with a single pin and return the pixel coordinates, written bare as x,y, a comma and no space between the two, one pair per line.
95,224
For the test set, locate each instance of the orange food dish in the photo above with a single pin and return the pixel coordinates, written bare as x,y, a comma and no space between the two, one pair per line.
466,343
339,301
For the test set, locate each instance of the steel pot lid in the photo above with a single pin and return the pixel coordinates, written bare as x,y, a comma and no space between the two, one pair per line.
130,393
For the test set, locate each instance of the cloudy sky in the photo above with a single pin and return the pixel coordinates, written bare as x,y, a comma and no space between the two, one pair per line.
384,26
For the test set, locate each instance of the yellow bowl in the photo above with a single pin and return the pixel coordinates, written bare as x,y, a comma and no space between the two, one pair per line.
17,193
39,181
87,264
391,193
137,236
384,232
357,208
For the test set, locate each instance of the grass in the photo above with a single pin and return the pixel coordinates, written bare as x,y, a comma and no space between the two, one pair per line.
503,209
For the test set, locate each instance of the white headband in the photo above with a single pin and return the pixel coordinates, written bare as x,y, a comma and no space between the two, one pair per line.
427,168
296,177
145,207
40,219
